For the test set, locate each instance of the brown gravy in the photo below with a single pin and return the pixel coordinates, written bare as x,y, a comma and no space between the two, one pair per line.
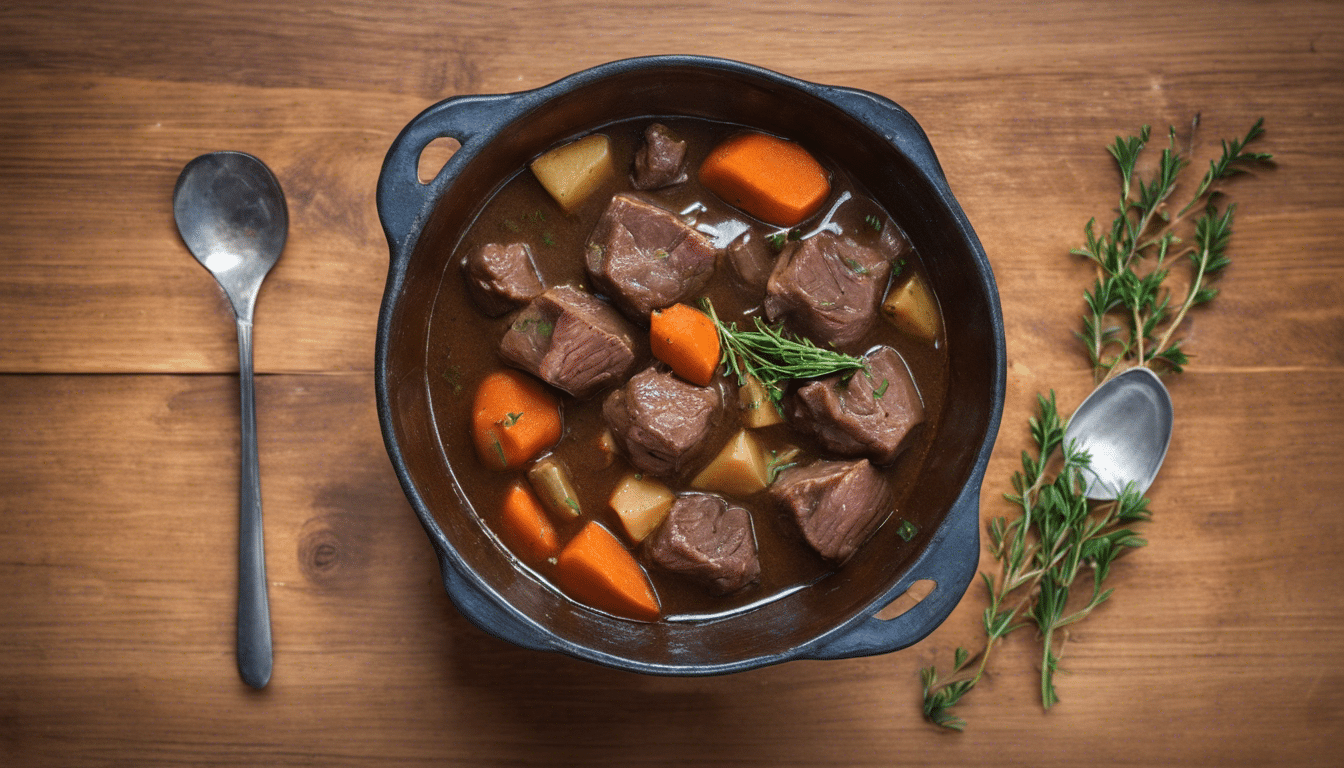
463,348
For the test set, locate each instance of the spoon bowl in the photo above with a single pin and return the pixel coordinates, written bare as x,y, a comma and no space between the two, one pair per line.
1125,425
232,216
231,213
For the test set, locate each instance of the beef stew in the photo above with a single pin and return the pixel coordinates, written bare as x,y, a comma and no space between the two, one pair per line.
585,335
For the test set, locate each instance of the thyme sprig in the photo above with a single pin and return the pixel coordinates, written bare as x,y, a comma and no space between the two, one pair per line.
773,357
1060,535
1133,291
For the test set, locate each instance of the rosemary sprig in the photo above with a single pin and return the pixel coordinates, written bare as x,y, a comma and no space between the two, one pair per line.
1060,535
774,358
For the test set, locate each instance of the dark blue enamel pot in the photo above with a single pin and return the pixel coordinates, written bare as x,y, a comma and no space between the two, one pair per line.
882,146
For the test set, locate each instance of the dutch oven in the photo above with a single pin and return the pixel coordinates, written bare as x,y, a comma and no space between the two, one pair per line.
883,147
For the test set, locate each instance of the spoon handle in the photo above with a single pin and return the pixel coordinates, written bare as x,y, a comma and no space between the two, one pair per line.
254,612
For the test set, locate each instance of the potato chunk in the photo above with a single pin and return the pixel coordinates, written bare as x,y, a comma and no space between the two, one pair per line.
740,469
551,481
758,410
911,307
642,504
574,171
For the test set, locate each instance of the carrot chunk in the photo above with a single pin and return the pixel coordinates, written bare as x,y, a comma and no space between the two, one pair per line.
685,339
597,570
526,525
514,418
775,180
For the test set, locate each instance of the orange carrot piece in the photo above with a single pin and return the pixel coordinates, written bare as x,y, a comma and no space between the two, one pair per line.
597,570
526,524
514,418
775,180
685,339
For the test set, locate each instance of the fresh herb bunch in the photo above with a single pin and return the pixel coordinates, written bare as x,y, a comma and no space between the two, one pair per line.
1060,534
774,358
1133,290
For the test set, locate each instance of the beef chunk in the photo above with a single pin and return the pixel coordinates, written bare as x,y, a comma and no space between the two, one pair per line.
646,258
750,261
870,414
709,541
827,288
837,504
661,421
893,243
501,278
571,340
658,163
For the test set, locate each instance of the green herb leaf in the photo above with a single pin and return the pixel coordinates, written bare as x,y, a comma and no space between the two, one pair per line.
1059,535
453,375
907,530
1132,256
773,357
775,467
856,267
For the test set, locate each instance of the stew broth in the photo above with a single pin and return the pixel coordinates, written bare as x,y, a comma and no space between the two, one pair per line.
463,347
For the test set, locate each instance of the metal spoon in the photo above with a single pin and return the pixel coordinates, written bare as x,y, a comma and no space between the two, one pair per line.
1125,424
231,213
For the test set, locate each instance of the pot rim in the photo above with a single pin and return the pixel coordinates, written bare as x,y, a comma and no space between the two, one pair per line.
405,205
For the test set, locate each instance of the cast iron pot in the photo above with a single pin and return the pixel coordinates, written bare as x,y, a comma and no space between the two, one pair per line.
886,150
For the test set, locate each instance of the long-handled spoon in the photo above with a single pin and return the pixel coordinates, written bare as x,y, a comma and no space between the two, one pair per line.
231,213
1125,424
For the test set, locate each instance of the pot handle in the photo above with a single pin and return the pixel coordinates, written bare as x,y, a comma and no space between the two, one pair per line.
897,125
486,613
403,200
950,560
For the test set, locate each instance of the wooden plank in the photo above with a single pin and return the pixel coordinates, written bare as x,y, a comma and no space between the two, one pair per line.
96,279
118,404
119,540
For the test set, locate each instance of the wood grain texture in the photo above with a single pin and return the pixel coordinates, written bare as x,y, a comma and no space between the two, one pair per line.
1224,644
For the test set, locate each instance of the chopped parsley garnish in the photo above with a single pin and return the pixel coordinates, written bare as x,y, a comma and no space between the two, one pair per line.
856,267
544,328
453,375
907,530
779,464
778,240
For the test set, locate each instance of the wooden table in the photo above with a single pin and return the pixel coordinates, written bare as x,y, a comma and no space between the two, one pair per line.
1224,642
